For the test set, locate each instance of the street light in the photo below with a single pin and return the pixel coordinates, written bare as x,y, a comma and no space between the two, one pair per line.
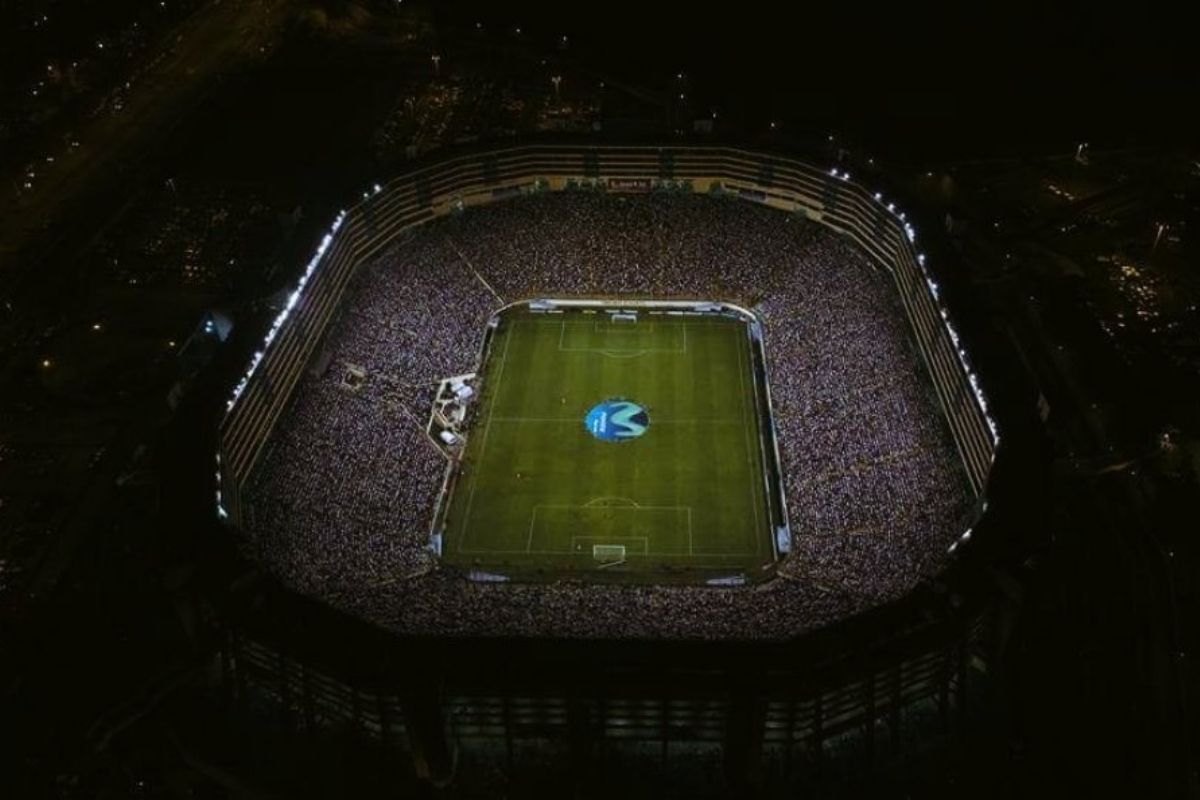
557,81
437,63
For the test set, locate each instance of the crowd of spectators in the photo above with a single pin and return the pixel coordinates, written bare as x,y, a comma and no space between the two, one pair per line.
344,501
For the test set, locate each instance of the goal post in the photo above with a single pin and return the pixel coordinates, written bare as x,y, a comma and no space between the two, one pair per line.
608,553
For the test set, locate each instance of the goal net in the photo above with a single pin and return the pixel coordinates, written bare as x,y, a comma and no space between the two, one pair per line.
608,553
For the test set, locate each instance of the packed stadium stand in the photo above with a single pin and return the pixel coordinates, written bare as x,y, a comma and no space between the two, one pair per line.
344,496
883,469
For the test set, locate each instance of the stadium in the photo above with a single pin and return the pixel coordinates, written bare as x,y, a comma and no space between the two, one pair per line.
651,395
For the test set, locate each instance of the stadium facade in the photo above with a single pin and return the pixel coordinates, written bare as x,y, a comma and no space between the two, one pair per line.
856,688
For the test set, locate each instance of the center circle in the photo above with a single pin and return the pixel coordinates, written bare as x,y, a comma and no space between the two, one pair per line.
617,420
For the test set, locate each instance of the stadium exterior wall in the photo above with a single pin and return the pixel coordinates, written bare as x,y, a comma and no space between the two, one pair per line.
840,713
830,197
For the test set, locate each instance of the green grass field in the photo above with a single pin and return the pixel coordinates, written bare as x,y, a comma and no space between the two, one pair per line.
538,491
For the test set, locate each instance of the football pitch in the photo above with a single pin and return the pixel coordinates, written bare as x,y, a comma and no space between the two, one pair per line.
603,448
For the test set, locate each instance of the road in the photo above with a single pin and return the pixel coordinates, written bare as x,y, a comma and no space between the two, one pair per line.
212,42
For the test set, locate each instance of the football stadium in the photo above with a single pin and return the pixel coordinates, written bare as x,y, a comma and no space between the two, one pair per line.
526,399
668,385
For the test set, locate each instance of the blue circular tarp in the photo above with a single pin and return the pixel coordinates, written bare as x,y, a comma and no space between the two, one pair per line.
617,420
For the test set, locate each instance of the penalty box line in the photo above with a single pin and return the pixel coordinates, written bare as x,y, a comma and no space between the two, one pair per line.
655,421
533,524
613,352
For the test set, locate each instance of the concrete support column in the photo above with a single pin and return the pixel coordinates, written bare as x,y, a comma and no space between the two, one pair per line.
426,727
742,749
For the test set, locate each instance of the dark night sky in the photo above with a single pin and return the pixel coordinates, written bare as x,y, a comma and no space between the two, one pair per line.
968,79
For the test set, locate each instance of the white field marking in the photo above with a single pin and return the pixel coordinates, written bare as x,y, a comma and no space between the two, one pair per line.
635,507
627,508
610,352
592,503
691,548
483,441
650,554
532,526
600,326
643,351
742,367
582,323
654,421
618,353
637,327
